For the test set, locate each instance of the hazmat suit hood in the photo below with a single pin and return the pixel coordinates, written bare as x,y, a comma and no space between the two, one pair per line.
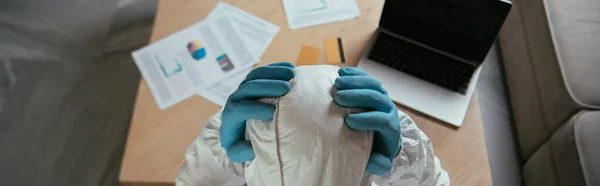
307,142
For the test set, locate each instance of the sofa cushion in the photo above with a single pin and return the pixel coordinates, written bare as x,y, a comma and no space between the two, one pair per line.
533,76
575,29
568,157
587,138
551,59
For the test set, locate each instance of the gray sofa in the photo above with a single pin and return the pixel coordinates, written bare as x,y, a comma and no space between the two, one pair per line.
551,54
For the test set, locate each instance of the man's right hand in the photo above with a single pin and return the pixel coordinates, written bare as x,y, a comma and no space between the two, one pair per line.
264,82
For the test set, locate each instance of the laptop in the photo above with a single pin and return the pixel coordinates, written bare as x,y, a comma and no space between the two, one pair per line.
428,53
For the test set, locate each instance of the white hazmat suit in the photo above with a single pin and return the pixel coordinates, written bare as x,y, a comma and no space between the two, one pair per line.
307,143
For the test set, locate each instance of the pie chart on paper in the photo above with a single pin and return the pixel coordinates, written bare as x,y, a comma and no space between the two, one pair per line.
196,49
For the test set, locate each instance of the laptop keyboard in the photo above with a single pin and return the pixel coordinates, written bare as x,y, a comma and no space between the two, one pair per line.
412,59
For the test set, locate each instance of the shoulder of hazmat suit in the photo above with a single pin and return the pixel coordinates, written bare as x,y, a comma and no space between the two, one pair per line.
207,162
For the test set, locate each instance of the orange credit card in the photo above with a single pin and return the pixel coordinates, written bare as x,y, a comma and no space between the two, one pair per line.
334,51
309,55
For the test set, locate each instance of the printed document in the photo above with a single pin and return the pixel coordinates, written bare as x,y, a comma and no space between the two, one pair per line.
219,93
256,33
304,13
193,59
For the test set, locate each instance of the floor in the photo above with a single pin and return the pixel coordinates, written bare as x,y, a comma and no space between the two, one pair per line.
68,84
67,88
500,139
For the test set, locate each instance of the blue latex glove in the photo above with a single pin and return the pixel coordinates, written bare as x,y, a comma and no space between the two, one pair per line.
264,82
356,89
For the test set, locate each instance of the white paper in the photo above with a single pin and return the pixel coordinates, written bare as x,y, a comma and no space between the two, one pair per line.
193,59
257,34
304,13
219,93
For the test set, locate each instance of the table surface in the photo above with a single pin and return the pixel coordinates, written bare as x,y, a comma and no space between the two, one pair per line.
157,139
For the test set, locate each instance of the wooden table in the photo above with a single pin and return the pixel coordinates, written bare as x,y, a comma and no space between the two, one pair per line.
157,139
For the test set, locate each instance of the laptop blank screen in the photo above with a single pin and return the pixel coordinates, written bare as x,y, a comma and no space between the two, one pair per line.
465,28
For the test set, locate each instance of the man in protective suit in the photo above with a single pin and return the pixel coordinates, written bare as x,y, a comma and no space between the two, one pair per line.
311,125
